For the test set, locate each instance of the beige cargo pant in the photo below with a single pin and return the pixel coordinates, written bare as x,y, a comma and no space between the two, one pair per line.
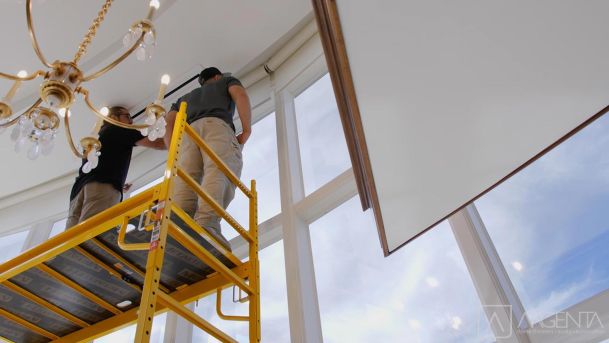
93,198
222,140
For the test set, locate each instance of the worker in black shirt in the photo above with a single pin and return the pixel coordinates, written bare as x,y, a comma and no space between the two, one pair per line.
102,187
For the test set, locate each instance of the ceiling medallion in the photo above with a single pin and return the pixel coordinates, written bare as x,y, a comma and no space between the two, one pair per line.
62,82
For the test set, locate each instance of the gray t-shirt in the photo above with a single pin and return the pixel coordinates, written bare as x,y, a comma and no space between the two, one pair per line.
210,100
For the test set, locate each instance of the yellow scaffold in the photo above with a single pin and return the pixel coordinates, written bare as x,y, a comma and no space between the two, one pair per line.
103,274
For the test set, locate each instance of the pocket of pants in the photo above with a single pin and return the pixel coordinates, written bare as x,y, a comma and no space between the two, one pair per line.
236,144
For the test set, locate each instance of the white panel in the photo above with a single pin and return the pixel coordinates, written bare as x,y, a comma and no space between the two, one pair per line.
455,95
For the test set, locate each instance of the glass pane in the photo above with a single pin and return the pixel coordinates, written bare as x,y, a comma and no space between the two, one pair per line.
421,293
550,224
58,227
323,148
259,163
274,304
11,245
128,334
146,186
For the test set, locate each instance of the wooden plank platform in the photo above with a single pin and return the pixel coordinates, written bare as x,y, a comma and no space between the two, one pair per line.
181,268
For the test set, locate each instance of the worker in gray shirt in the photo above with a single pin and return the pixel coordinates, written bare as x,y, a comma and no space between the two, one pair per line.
210,112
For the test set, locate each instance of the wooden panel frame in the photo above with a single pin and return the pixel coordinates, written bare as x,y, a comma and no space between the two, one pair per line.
330,31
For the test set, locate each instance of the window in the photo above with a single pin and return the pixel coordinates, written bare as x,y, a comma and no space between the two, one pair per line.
421,293
323,148
274,305
550,224
259,163
58,227
146,186
12,244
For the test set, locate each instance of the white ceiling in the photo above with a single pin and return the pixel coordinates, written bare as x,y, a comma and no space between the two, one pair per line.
455,95
230,34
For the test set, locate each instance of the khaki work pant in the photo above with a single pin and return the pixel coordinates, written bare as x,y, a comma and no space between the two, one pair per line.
221,138
94,197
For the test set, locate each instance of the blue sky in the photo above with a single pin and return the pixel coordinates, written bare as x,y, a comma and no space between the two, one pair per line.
552,218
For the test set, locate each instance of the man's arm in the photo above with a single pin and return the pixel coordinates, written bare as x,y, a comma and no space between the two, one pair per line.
242,101
159,144
170,118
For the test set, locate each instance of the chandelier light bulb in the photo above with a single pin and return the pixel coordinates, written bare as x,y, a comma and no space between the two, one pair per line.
155,3
22,73
104,110
165,79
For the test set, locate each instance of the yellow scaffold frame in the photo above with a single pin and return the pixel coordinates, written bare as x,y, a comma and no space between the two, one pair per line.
155,298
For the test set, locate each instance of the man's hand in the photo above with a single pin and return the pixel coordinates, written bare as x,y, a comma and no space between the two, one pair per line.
127,187
243,137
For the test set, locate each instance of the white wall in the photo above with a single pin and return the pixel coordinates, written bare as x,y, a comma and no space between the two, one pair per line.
454,95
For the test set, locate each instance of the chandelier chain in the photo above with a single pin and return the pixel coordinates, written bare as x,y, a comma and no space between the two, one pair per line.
82,49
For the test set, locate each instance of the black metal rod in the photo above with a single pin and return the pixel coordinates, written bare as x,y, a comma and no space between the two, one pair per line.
170,93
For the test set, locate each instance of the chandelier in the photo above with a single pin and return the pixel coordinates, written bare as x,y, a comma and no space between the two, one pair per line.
62,82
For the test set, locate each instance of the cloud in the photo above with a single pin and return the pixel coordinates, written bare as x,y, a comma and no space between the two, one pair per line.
365,297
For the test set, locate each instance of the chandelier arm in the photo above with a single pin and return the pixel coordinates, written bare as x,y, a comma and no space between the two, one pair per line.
14,120
115,62
25,78
30,27
66,122
110,120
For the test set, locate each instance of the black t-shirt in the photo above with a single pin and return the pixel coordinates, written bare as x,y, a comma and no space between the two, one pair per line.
117,145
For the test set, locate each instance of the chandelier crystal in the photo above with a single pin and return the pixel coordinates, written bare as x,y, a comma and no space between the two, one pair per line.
35,128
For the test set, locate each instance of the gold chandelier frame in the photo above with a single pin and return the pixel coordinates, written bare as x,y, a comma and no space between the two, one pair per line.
63,81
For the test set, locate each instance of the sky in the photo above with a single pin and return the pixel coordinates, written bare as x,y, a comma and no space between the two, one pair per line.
323,149
549,224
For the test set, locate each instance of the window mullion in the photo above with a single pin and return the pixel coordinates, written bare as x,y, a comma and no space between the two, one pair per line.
500,302
303,305
37,234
